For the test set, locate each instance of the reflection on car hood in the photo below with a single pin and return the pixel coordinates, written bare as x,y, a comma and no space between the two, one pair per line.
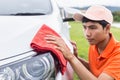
16,33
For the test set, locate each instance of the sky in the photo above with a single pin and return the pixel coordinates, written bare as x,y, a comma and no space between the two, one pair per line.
82,3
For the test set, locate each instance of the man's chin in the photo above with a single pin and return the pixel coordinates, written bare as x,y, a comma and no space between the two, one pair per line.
90,43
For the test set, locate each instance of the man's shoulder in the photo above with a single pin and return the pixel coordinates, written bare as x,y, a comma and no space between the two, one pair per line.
118,44
117,47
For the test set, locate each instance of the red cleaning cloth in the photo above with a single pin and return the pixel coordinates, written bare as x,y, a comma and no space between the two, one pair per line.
39,44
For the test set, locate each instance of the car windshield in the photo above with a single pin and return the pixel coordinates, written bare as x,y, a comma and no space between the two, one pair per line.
25,7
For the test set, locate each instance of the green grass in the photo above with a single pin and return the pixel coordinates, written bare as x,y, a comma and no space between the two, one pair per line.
76,34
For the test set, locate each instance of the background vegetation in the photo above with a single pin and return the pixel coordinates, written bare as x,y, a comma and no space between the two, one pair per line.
76,33
116,15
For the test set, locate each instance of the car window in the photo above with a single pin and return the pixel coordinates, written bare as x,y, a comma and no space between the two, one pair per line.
12,7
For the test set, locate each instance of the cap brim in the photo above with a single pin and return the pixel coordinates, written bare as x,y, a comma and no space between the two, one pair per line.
78,16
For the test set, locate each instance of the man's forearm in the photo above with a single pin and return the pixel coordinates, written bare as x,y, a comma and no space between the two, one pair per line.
80,69
84,62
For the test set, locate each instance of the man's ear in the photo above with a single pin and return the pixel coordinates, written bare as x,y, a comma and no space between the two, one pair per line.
107,28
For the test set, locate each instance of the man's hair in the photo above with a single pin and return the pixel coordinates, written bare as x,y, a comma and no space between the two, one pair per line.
102,22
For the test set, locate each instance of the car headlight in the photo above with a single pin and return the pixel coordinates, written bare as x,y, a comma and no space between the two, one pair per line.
35,68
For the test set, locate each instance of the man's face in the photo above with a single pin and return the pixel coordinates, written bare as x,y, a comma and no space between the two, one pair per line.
94,32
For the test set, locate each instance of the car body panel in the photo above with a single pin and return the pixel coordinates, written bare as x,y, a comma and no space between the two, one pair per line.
17,32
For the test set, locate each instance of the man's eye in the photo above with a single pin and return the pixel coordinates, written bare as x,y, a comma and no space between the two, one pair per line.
92,27
84,27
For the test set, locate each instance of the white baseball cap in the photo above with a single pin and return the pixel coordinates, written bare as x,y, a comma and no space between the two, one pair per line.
95,13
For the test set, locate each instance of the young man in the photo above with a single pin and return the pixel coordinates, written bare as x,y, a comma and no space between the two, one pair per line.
104,50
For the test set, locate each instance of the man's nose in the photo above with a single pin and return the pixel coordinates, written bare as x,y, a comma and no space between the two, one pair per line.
87,32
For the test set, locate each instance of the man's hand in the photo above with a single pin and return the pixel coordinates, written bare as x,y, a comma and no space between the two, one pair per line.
59,45
75,48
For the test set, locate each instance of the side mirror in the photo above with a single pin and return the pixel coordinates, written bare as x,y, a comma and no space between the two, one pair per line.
69,12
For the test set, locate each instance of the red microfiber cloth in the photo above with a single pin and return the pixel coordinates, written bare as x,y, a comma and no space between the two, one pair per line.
39,44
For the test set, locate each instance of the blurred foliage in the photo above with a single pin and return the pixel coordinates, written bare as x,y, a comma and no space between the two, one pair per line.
116,16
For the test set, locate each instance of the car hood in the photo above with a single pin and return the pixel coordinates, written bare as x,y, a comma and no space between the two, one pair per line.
16,33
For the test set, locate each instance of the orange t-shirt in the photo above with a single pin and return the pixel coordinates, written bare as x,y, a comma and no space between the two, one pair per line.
108,61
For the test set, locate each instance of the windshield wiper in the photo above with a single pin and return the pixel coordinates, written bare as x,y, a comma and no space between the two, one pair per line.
27,14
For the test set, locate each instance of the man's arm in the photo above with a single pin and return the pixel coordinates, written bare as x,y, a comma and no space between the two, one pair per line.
84,62
83,73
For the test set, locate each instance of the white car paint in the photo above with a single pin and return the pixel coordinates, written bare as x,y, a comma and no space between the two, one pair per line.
16,33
